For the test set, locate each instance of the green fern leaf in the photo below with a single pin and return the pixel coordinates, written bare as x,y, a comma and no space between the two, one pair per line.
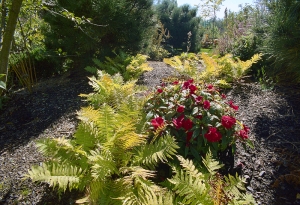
162,149
63,176
191,190
103,164
189,167
211,164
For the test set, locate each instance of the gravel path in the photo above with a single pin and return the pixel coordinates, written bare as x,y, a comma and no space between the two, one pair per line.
50,111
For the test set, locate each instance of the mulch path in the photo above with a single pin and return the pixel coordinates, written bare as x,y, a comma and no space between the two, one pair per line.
271,169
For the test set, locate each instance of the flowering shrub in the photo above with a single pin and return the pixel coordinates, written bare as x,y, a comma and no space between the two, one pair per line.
200,118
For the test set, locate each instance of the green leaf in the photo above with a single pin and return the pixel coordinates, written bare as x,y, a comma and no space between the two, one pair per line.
195,110
250,144
2,85
195,153
149,115
196,133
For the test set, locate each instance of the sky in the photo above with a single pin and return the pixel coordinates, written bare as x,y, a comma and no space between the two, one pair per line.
232,5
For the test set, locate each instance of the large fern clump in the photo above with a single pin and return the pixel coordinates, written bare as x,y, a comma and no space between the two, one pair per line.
226,69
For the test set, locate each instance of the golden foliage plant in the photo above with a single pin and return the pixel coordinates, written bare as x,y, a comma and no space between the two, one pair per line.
185,64
227,68
110,89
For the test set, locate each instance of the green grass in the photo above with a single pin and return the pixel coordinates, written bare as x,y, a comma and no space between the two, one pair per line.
206,50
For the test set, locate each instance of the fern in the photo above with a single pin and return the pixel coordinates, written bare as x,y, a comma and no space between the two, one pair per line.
110,90
61,175
186,64
191,190
162,149
226,68
211,164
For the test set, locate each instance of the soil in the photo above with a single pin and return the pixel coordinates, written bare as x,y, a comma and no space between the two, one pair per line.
271,169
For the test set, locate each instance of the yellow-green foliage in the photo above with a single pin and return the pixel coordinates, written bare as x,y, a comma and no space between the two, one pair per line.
194,184
227,68
110,89
129,67
137,66
185,64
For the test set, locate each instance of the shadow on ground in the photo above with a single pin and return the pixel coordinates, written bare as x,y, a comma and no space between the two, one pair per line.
26,115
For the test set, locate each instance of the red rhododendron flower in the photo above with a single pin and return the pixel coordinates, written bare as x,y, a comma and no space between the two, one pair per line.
210,87
213,135
206,104
159,90
192,88
178,121
235,107
175,83
187,124
180,108
247,129
157,122
228,121
223,96
186,85
243,134
198,99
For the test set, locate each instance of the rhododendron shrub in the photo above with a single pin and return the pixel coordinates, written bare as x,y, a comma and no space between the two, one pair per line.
200,118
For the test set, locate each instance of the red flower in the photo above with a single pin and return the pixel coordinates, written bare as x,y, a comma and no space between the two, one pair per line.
210,87
188,138
223,96
157,122
180,108
206,104
187,124
159,90
198,99
228,121
243,134
235,107
192,88
247,129
199,117
175,83
187,84
213,135
178,121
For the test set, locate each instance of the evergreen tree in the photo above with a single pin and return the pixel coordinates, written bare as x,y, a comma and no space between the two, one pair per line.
86,28
180,21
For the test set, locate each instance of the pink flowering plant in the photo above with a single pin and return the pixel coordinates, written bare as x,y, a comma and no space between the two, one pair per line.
200,118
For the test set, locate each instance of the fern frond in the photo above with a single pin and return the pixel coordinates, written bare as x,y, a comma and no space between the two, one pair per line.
159,198
189,167
103,164
62,175
162,149
191,190
62,150
87,136
106,122
211,164
139,189
134,172
234,186
88,115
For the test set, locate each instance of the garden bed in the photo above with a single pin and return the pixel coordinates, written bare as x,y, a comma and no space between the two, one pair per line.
50,111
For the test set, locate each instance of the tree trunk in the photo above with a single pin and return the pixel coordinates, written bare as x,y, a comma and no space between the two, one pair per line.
8,36
3,21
